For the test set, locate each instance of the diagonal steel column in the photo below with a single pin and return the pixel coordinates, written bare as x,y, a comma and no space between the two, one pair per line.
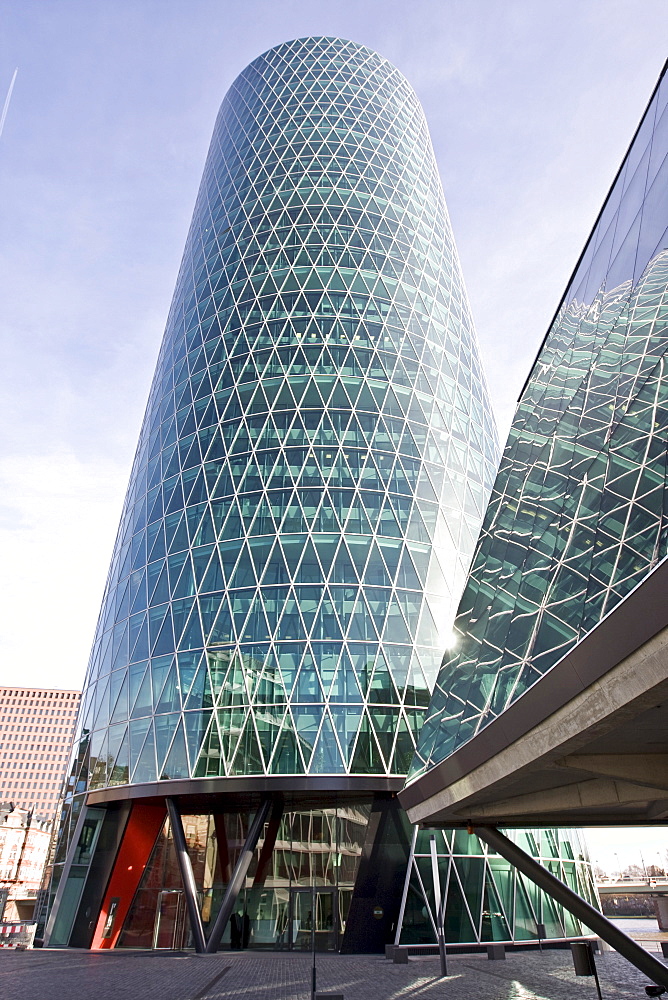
554,887
439,906
222,851
187,877
238,876
273,827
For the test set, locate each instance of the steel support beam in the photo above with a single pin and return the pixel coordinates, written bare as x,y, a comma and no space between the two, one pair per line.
626,946
187,877
269,844
238,876
439,906
222,851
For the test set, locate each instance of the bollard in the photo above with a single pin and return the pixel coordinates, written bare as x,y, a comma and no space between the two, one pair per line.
664,949
329,996
583,961
400,956
496,952
389,951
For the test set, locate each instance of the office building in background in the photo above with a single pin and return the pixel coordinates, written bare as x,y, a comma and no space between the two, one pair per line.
36,728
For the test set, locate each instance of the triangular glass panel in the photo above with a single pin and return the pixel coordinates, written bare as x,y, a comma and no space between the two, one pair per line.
366,758
192,633
98,760
213,578
404,749
406,575
326,754
137,731
458,919
196,725
159,669
248,758
170,700
498,929
165,727
286,758
180,612
176,764
120,712
145,769
200,695
307,687
120,773
342,567
210,760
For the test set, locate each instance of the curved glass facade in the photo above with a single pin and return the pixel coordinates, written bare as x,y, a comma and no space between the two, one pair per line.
577,516
316,453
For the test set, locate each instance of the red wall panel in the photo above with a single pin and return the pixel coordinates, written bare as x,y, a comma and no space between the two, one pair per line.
140,835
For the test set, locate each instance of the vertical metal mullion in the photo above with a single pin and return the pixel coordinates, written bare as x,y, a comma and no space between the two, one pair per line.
404,895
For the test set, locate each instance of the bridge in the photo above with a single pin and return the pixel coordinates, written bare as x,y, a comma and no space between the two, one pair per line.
641,887
647,888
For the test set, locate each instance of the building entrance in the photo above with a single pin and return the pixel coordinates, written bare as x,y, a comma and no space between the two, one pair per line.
301,920
306,849
170,920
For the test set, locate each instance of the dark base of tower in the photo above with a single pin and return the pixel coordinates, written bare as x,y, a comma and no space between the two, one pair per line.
278,864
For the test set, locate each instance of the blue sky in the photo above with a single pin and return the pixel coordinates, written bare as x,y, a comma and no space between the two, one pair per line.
531,106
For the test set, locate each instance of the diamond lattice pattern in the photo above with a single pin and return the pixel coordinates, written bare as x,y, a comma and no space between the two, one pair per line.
316,454
578,514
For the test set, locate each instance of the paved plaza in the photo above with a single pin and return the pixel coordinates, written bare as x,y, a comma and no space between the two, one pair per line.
80,975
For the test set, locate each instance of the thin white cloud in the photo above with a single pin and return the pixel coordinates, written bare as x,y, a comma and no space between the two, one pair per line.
60,514
5,107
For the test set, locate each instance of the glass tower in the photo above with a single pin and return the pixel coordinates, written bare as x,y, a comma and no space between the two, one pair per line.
578,514
313,466
316,451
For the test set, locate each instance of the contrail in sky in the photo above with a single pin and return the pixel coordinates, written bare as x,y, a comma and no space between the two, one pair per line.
7,100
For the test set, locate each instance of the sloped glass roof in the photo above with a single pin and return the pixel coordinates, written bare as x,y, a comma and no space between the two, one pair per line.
578,513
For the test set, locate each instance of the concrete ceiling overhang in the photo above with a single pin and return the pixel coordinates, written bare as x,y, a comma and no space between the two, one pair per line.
586,745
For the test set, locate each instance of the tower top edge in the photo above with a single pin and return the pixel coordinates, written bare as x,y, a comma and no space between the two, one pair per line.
333,43
311,41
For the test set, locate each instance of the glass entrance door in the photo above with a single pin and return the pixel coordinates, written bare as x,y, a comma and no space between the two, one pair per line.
170,925
301,919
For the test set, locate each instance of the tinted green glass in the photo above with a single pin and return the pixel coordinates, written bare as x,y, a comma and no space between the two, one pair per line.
487,899
316,453
577,517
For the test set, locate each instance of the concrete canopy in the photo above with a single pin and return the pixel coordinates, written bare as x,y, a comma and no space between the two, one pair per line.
586,745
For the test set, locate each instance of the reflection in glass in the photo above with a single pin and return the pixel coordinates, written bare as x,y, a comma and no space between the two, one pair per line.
487,899
305,852
577,514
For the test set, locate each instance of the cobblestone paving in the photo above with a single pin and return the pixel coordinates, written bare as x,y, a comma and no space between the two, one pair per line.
73,975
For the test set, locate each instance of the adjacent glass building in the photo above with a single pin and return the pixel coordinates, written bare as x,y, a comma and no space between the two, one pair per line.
486,899
578,514
312,470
